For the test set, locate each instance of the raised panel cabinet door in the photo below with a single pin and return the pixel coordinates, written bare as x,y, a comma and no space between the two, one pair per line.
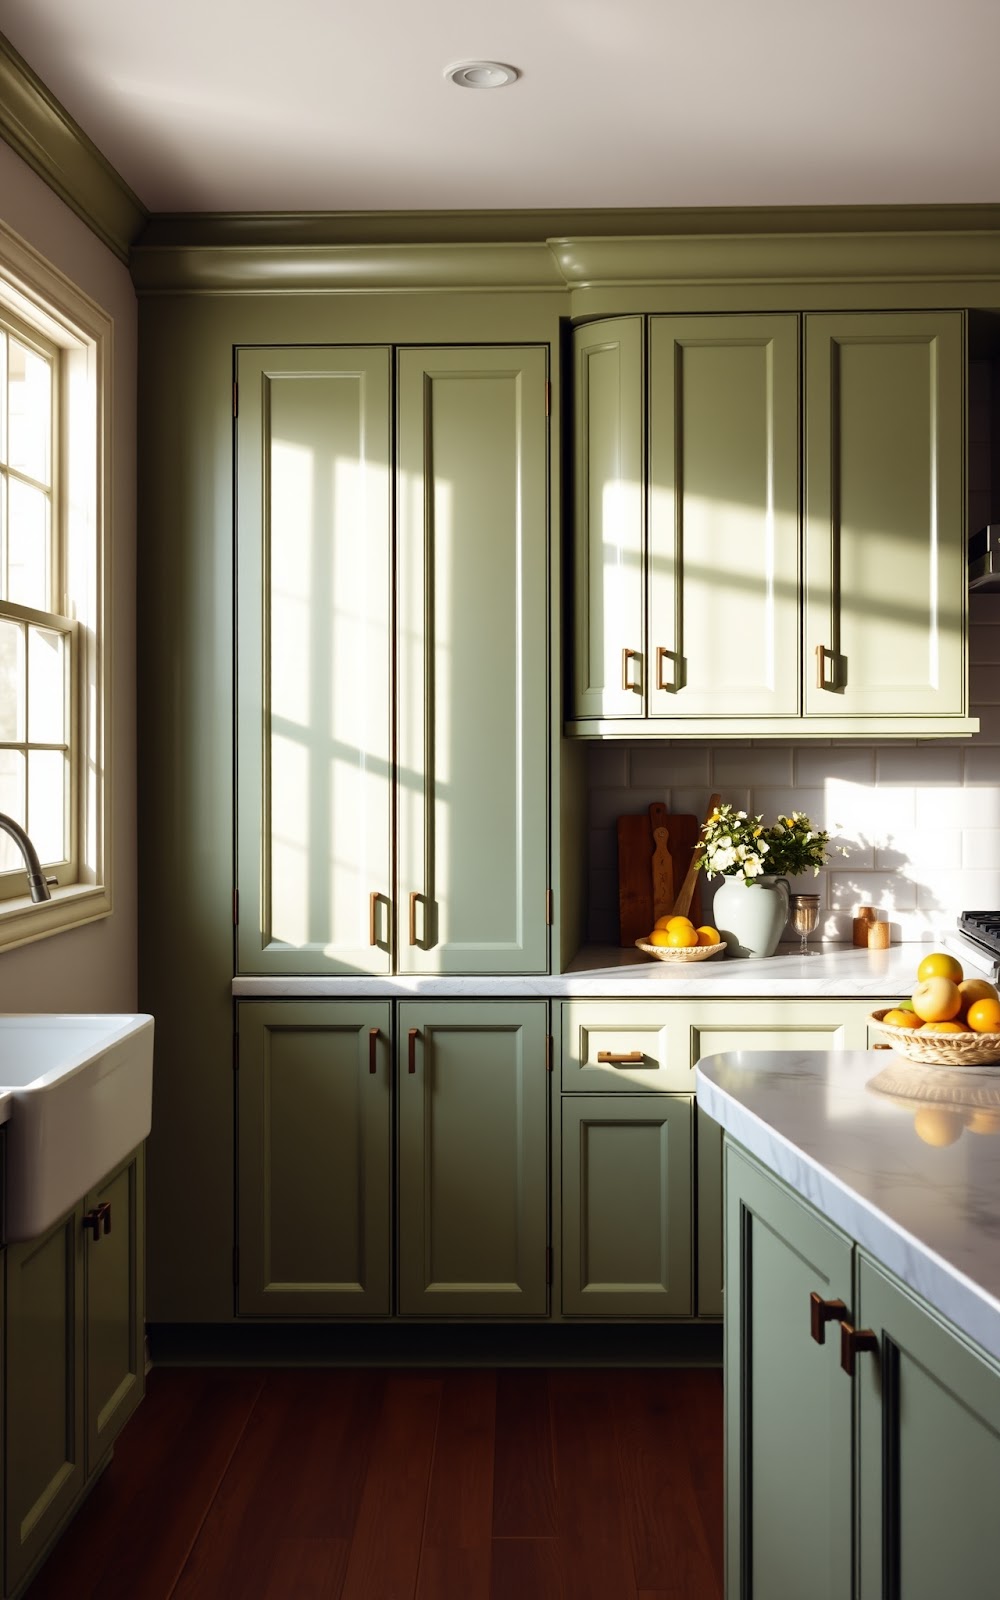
622,1047
929,1452
313,661
609,636
44,1385
885,558
626,1206
788,1417
472,670
723,636
114,1304
473,1158
314,1165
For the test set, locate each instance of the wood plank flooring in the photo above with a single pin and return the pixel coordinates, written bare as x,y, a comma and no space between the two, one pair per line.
375,1484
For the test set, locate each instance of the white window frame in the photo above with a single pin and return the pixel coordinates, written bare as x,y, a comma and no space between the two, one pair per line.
40,297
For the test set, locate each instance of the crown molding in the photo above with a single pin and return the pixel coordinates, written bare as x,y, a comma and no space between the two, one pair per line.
44,135
360,252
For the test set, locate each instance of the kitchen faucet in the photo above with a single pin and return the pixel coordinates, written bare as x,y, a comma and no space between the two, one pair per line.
36,878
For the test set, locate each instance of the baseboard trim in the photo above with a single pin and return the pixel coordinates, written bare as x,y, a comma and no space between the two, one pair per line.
397,1344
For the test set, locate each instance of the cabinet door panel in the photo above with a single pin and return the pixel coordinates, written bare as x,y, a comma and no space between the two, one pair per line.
885,552
626,1206
471,666
44,1389
723,516
114,1269
592,1029
789,1516
929,1456
473,1149
314,782
608,539
314,1158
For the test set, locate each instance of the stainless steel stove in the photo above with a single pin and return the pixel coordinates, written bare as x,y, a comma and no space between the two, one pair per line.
979,938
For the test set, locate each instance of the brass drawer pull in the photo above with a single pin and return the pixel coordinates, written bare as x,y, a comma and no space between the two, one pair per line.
627,656
372,1048
662,655
414,897
373,899
611,1058
821,654
821,1312
855,1342
411,1049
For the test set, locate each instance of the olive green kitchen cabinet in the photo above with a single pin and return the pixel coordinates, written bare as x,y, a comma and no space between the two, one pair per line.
73,1359
313,1106
392,660
727,611
627,1206
854,1467
473,1158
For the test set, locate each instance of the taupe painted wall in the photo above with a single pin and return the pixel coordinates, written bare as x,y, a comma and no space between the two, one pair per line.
91,968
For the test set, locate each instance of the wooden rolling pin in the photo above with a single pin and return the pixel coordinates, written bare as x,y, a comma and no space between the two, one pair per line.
683,900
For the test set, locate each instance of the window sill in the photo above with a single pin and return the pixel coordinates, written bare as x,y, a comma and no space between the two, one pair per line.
21,921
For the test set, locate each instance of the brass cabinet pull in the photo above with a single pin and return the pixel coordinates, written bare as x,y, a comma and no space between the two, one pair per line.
821,1312
414,897
628,655
372,915
411,1049
610,1058
372,1048
99,1219
855,1342
821,654
662,654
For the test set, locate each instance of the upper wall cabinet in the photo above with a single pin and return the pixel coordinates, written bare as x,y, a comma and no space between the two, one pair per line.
392,668
705,604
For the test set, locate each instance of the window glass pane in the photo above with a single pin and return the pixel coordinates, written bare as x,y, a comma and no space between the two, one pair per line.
12,803
47,787
28,556
29,387
11,681
46,686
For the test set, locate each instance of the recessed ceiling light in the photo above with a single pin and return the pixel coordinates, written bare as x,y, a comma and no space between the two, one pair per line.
481,74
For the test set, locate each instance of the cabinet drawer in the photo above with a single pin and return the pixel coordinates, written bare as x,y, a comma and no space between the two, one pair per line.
624,1046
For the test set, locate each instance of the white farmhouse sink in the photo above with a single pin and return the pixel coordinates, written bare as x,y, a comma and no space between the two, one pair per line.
80,1098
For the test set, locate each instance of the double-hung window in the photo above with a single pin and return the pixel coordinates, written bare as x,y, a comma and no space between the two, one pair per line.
38,674
55,578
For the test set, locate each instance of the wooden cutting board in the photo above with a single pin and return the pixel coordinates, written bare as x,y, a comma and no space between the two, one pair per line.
635,871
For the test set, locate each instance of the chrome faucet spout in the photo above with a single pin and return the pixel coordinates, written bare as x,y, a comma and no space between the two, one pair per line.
37,886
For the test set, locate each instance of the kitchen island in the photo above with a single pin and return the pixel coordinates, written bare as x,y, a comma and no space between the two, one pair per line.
862,1347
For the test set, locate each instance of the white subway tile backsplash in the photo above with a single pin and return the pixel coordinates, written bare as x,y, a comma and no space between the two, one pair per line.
607,764
957,808
747,767
984,644
981,848
989,724
982,766
671,766
848,764
772,803
903,851
887,891
918,764
984,606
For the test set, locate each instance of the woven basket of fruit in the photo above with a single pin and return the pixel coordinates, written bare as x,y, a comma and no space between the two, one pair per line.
949,1020
677,939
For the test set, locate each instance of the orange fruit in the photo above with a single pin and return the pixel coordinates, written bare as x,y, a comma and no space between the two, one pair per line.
945,1027
670,921
709,935
940,965
901,1019
936,999
976,989
682,937
984,1016
659,936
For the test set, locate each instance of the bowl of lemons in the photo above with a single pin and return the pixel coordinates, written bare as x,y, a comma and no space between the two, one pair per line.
948,1021
677,939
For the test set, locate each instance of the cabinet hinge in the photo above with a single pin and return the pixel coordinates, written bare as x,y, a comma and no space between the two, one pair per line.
236,1264
548,1052
236,399
548,399
548,1264
549,908
236,907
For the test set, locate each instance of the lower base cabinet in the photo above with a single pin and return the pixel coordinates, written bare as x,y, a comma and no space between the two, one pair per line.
73,1360
319,1084
881,1485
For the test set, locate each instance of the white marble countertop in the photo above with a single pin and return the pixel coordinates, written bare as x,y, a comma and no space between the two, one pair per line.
609,971
849,1133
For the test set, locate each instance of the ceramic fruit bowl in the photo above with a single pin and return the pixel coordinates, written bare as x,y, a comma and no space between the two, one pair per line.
694,952
941,1049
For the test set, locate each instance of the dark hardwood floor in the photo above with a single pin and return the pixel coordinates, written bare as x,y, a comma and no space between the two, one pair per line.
379,1484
